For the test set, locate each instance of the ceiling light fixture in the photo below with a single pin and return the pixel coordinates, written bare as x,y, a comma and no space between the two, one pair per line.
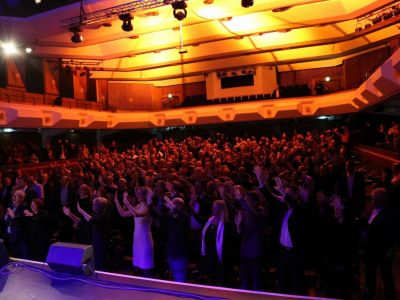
9,48
76,37
126,22
75,29
28,50
247,3
180,12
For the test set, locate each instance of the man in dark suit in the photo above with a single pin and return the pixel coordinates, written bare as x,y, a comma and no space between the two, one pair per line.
290,226
379,246
15,223
351,188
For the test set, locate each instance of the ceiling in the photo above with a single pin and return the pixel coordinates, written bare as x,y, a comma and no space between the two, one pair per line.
220,35
26,8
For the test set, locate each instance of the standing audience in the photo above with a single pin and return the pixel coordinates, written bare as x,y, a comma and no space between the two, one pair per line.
219,205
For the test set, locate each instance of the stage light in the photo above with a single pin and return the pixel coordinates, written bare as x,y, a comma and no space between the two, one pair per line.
247,3
376,20
387,15
38,1
170,96
28,50
180,11
9,48
76,37
327,79
8,130
396,10
126,22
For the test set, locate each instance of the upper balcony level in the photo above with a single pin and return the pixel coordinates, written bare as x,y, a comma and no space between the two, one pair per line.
383,83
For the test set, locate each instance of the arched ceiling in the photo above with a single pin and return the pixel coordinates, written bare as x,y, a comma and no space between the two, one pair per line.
218,35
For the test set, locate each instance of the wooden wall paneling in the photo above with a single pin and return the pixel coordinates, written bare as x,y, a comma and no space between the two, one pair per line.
358,68
80,85
130,96
102,90
51,77
195,88
15,74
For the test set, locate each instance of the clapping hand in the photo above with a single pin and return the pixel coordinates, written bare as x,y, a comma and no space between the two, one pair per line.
66,211
303,193
238,218
125,199
10,212
257,171
279,186
168,203
336,202
261,177
150,194
27,213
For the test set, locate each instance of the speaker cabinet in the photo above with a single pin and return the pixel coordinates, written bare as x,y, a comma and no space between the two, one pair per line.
71,258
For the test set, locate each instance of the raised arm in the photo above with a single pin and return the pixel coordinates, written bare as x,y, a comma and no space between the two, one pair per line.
70,215
123,213
84,214
135,211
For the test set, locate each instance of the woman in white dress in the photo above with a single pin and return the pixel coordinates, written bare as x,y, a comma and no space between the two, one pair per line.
142,238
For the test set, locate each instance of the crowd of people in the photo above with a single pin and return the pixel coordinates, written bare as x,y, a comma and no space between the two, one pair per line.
233,209
32,153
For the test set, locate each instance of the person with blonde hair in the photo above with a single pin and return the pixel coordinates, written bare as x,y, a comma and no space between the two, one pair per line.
143,246
215,244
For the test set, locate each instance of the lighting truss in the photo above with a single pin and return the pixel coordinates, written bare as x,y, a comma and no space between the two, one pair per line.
112,12
78,63
390,10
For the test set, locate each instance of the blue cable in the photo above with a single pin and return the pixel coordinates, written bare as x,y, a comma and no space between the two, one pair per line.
12,267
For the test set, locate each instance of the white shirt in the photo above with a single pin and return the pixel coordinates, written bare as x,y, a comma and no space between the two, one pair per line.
373,215
285,238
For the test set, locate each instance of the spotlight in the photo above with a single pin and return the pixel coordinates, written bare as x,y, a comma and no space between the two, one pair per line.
38,1
376,20
396,10
126,22
28,50
9,48
247,3
76,37
180,11
327,79
387,15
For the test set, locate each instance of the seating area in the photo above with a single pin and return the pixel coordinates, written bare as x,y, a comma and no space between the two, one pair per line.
200,100
294,91
284,92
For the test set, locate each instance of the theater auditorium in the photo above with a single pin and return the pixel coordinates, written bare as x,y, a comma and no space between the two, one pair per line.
200,149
